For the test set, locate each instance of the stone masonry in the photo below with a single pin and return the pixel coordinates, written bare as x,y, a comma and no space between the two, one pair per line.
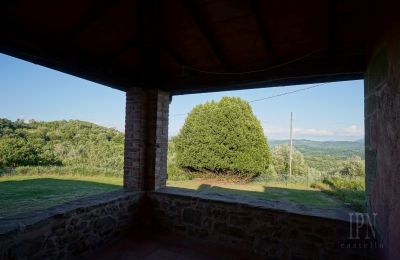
270,231
68,230
146,139
382,138
263,228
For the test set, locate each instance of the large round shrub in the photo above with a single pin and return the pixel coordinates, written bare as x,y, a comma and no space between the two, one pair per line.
223,137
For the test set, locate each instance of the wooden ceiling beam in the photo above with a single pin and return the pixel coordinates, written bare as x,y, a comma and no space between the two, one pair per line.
111,58
100,9
149,40
263,31
53,53
174,53
201,24
332,27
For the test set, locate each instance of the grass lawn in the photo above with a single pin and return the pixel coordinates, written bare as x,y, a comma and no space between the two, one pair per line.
27,193
19,194
297,193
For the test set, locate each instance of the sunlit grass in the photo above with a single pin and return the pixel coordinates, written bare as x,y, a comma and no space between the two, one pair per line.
351,191
20,194
98,179
292,192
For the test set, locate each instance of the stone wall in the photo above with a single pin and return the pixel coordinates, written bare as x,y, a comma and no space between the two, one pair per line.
68,230
286,231
382,137
146,139
267,228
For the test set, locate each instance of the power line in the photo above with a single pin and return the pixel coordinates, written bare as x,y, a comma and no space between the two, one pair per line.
273,96
254,71
289,92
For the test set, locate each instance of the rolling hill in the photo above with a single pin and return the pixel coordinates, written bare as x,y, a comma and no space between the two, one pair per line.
325,155
336,149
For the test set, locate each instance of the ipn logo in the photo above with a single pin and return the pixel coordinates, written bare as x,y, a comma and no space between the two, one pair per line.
362,225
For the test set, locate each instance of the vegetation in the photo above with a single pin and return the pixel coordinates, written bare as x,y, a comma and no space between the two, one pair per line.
220,142
60,143
61,171
280,158
223,138
20,194
347,183
350,191
327,163
353,167
333,149
174,172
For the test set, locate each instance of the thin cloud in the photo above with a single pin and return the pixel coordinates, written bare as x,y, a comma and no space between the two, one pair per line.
350,131
313,132
299,132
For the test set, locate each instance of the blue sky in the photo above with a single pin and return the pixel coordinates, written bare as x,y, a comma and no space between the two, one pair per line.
330,112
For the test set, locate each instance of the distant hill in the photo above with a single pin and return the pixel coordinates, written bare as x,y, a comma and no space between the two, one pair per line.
335,149
325,155
78,143
360,141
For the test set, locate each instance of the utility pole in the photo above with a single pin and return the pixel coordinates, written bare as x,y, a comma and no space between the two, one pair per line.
291,144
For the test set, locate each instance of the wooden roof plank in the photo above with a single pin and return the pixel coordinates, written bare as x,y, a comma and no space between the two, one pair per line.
200,21
263,31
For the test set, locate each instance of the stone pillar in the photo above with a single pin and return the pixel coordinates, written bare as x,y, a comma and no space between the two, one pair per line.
382,139
146,139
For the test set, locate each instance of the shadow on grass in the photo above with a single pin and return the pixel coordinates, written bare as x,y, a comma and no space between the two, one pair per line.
19,196
306,197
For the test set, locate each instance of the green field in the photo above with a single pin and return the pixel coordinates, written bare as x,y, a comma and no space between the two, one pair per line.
20,194
297,193
44,164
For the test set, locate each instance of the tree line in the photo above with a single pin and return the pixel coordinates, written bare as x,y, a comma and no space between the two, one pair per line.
59,143
222,138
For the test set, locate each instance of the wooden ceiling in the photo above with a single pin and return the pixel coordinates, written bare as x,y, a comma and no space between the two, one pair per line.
190,46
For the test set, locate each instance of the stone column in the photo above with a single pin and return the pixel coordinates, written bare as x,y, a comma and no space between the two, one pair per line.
146,139
382,138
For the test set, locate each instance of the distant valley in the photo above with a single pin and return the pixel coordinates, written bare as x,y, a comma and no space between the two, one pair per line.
336,149
325,155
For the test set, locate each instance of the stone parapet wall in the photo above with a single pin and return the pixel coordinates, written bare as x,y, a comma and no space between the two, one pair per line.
254,225
267,228
68,230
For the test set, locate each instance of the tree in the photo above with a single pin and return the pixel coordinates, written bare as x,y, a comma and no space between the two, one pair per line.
353,167
16,151
223,137
280,158
68,143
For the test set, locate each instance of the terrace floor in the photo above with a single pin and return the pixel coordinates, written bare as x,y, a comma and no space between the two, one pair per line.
167,246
